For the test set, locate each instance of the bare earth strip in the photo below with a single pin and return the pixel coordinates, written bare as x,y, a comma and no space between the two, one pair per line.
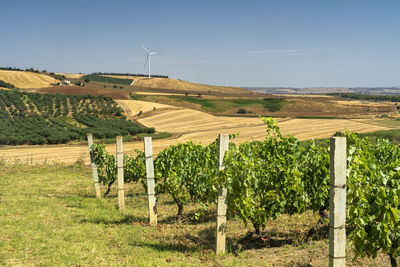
188,124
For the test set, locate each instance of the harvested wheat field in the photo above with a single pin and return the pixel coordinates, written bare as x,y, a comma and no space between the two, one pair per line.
189,124
25,79
180,85
133,107
71,75
196,125
198,87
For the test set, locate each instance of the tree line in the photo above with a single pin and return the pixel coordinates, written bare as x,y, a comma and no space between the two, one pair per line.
389,98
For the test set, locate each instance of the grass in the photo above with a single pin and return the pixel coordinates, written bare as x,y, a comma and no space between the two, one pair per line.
155,136
392,135
50,217
222,105
386,122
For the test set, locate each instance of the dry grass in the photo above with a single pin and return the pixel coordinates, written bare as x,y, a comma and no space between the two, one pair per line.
24,79
197,87
71,75
50,217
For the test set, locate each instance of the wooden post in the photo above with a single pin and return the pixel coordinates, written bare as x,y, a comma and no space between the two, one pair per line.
221,204
94,167
337,203
120,174
148,151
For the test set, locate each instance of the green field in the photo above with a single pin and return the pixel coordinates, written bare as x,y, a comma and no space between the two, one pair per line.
222,105
49,217
104,79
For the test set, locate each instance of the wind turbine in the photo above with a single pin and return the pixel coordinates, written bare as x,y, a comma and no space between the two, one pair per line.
148,58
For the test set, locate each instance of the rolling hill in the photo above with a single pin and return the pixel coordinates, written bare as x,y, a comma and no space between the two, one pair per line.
180,85
24,79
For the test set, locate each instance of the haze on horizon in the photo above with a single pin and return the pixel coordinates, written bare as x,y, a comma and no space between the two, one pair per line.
242,43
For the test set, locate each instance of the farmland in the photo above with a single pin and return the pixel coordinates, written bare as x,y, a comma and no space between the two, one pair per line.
193,118
57,221
189,124
23,79
128,239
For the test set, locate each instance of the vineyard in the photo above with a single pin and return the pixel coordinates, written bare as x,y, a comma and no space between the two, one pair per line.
33,118
277,176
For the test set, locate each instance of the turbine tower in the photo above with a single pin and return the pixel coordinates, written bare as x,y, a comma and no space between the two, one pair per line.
148,58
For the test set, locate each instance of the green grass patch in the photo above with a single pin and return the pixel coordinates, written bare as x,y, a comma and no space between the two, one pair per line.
50,217
104,79
392,135
221,105
154,136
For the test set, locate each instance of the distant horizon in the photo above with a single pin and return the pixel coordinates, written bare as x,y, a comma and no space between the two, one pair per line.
229,85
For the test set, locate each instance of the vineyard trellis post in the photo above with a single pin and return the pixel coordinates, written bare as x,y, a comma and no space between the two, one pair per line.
94,166
148,151
337,203
221,203
120,174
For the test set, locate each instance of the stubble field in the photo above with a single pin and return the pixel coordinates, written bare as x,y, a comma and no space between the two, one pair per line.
24,79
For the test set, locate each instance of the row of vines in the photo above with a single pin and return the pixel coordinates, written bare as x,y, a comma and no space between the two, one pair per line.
33,118
279,175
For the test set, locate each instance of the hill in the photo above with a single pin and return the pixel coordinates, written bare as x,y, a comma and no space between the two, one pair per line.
180,85
33,118
71,75
24,79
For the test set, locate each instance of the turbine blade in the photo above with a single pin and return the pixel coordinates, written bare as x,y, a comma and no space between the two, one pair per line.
147,60
152,53
145,49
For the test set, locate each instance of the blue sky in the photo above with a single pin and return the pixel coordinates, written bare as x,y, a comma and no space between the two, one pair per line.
299,43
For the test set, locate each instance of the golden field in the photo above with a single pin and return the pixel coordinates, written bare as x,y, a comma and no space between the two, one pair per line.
24,79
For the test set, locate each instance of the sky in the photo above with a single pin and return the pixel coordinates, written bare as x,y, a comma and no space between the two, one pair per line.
298,43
